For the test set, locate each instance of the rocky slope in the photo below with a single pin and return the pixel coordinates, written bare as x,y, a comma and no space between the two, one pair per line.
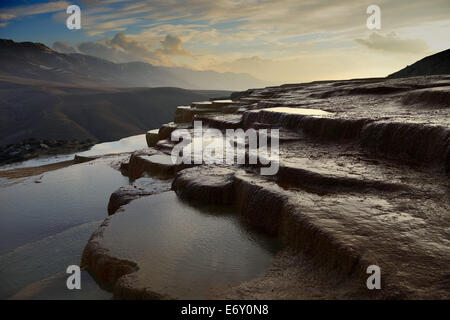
435,64
33,148
363,180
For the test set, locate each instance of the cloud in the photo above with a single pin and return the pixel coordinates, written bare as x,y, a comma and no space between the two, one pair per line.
336,64
98,49
273,20
284,39
172,45
124,48
10,14
33,9
7,16
123,42
121,48
246,19
113,25
393,43
63,47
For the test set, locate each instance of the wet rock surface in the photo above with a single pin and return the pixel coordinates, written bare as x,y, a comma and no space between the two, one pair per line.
362,180
347,232
152,162
294,276
212,185
139,188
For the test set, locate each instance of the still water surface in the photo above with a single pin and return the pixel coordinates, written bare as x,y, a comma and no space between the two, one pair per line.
183,250
186,251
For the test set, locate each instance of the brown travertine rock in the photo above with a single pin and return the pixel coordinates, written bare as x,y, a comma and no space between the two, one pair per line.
307,173
152,137
432,98
82,159
221,122
212,185
139,188
221,103
125,289
407,141
362,180
154,163
202,104
104,268
183,114
166,130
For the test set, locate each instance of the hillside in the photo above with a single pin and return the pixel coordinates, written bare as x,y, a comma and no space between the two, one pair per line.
435,64
37,61
48,110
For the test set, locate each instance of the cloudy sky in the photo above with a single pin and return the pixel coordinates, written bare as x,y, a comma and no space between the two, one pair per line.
278,41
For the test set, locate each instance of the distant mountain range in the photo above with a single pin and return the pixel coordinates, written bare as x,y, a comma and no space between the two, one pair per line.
435,64
37,61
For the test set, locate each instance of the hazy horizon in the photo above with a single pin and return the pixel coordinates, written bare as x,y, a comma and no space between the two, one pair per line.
275,41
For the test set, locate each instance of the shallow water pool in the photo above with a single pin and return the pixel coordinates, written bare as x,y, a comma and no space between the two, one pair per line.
186,251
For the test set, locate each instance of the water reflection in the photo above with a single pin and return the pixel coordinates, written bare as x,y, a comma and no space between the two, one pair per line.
186,251
48,223
63,199
30,270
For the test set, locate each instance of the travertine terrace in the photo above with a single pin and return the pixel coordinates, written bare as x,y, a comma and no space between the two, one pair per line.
363,180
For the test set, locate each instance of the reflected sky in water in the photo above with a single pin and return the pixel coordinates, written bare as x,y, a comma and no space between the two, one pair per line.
63,199
186,251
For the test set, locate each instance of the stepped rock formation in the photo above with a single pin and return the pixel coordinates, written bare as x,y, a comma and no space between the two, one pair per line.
363,180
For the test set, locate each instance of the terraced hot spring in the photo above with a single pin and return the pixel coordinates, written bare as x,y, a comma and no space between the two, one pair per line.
185,250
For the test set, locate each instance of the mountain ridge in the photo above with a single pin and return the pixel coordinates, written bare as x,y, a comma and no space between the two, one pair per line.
435,64
37,61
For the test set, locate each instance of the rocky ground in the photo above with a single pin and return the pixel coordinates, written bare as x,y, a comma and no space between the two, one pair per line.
363,180
33,148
